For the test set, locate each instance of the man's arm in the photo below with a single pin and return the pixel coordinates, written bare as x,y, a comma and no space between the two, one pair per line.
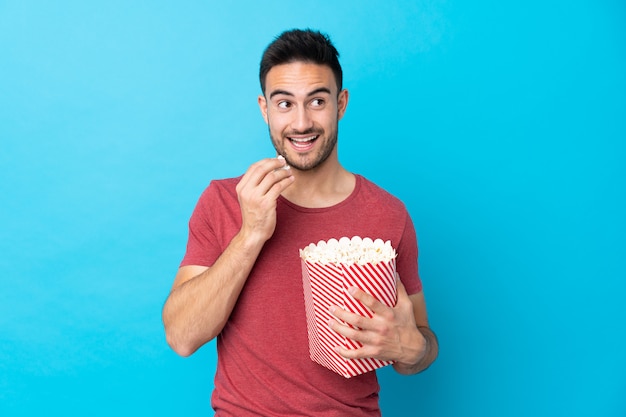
428,349
202,299
399,333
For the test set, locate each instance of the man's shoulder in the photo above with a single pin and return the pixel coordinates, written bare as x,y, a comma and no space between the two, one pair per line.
225,182
220,188
371,190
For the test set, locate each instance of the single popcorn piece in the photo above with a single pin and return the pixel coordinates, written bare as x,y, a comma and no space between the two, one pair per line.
329,269
285,167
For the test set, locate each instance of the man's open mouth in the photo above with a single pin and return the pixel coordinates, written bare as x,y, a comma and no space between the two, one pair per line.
304,143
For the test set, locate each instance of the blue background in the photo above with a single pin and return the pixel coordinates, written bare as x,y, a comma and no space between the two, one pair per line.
501,125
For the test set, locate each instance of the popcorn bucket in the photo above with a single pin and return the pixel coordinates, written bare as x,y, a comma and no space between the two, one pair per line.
326,283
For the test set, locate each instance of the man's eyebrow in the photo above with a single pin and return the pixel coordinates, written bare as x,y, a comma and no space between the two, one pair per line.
280,92
312,93
319,90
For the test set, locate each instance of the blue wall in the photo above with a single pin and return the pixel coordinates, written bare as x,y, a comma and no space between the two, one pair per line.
502,125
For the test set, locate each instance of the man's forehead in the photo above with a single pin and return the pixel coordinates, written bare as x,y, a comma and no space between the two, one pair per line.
300,78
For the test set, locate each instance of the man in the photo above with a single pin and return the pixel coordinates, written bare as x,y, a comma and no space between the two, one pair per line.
240,279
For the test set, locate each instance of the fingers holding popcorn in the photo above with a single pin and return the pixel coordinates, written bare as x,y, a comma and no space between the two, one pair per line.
384,336
257,192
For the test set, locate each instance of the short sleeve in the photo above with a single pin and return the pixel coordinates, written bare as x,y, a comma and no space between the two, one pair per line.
407,263
202,244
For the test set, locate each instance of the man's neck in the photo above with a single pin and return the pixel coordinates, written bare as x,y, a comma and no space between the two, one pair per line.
320,187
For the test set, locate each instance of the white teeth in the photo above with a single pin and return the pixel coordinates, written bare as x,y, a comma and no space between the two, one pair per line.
302,140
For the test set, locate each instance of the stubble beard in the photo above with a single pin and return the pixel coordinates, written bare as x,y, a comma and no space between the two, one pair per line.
319,159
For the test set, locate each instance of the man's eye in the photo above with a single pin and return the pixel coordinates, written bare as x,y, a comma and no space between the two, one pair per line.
318,102
283,104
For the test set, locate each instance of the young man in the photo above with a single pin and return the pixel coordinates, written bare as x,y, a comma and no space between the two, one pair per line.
240,279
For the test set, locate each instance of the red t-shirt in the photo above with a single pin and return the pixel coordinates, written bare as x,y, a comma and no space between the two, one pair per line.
263,355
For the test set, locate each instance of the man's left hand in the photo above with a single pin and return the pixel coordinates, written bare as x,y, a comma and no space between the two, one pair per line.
390,335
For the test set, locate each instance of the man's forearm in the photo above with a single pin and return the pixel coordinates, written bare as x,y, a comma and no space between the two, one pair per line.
431,350
197,310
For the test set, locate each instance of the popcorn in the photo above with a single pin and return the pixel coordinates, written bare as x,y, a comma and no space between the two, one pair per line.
349,251
329,269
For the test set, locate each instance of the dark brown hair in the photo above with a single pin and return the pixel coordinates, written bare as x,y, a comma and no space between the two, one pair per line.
301,45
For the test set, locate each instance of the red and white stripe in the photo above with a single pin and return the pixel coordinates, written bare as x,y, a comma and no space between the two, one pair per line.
327,285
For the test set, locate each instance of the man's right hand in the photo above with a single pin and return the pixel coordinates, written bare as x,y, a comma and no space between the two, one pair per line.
257,192
202,298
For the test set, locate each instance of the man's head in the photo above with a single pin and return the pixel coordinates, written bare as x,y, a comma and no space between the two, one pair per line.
302,99
301,45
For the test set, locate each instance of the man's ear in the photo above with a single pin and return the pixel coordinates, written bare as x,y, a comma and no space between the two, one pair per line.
342,103
263,106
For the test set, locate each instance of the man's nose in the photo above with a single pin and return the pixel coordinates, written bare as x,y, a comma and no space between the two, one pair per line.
302,121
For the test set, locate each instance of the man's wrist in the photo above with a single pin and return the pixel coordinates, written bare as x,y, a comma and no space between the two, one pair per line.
428,356
432,347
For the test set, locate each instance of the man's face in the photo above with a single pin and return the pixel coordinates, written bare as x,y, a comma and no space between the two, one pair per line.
302,108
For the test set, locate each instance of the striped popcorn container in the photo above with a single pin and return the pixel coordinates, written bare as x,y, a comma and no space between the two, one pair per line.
329,270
